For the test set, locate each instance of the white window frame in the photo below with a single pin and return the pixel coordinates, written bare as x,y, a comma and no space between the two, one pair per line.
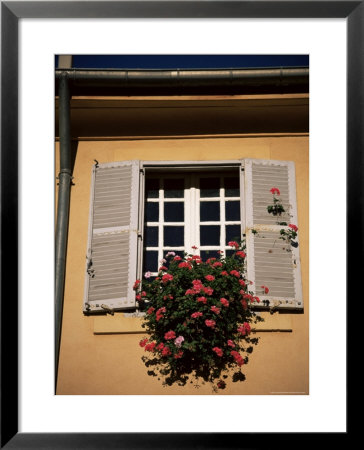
191,201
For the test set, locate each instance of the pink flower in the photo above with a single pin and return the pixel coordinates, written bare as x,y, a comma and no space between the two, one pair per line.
215,309
217,264
202,299
235,273
159,313
293,227
178,354
224,302
275,190
184,264
210,260
178,341
209,277
233,244
244,329
238,358
230,343
143,342
210,323
208,290
218,351
170,254
169,335
167,277
150,347
196,314
190,292
148,274
265,289
136,284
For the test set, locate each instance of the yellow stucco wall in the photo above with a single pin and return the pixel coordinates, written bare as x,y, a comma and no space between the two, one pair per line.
111,363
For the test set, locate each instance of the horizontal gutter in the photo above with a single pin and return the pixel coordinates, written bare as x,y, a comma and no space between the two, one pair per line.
154,82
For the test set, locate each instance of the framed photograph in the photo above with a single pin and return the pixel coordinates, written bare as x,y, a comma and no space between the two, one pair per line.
27,207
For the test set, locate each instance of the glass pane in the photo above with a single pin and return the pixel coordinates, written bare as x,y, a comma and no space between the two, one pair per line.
170,258
232,210
210,235
174,188
152,212
206,254
174,236
209,211
152,188
150,261
233,233
232,188
229,252
209,187
151,236
174,211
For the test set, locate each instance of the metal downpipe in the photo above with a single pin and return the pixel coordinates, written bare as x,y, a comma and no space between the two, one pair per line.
65,177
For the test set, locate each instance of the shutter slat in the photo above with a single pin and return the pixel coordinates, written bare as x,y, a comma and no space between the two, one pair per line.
113,237
271,261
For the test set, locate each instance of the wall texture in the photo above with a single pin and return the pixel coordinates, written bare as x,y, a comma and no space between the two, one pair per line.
109,362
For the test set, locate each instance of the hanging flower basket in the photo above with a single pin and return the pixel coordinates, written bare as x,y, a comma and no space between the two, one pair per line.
198,317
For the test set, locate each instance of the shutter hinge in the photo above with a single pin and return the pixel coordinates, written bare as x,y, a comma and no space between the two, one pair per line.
107,309
90,270
142,170
139,234
96,163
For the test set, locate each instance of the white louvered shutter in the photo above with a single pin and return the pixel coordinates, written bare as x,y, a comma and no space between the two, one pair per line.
271,261
113,237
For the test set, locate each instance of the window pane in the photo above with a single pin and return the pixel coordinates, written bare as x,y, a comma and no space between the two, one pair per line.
209,187
174,236
232,188
152,188
174,212
152,212
151,236
209,211
230,252
232,233
232,210
206,254
210,235
150,261
174,188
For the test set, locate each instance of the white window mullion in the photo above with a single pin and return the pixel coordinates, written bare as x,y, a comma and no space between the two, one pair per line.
222,215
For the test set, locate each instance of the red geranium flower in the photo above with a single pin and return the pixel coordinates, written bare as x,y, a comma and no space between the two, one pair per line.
233,244
143,342
170,335
215,309
210,323
224,302
196,314
275,190
294,227
209,277
218,351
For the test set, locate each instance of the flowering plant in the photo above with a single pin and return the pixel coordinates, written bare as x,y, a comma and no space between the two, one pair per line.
198,317
277,208
289,234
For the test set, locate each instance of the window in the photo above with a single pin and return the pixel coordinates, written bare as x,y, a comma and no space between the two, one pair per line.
187,209
141,210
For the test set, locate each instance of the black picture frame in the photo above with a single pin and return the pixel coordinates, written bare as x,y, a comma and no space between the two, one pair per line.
11,12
